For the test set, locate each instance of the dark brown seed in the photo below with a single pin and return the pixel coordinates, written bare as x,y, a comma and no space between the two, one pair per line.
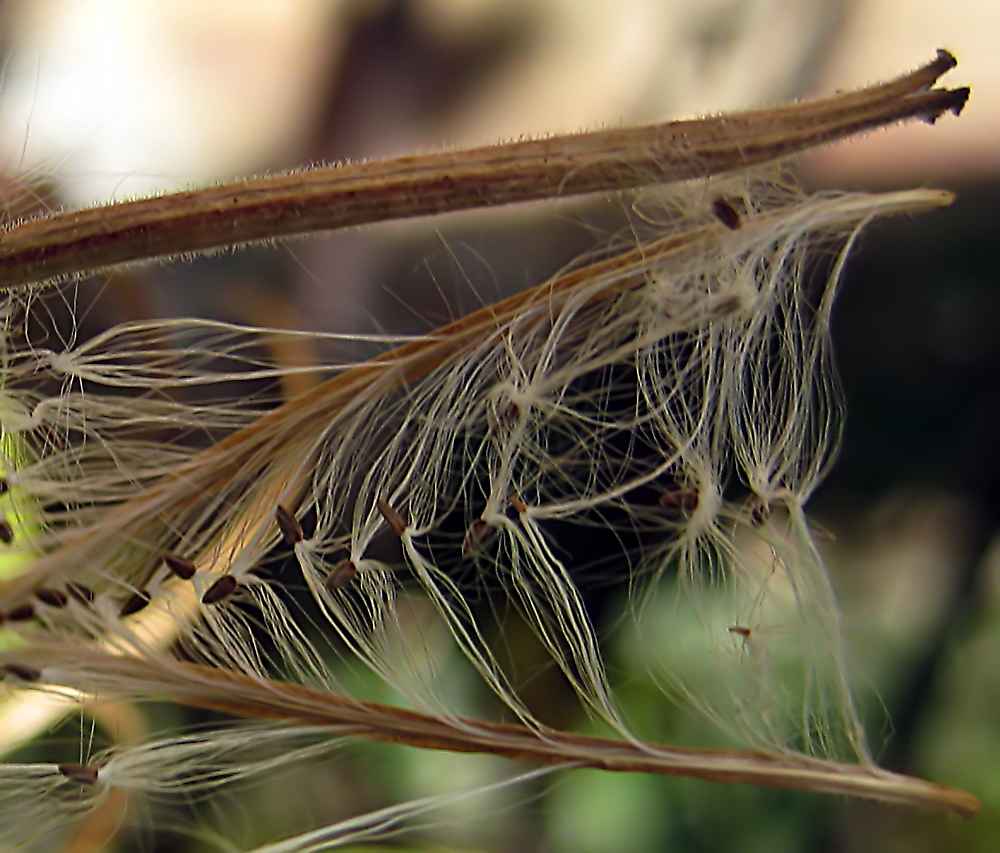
392,518
4,486
685,500
743,632
726,213
79,773
180,566
289,525
479,534
20,614
725,306
502,417
19,670
6,533
220,590
759,514
83,594
136,603
341,575
520,506
51,597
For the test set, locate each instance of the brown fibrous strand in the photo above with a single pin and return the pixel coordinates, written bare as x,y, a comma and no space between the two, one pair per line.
332,197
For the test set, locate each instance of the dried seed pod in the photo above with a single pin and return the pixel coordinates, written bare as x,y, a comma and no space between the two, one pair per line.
289,525
180,566
21,613
726,213
81,773
6,533
341,575
136,603
220,590
478,535
83,594
51,597
392,518
19,670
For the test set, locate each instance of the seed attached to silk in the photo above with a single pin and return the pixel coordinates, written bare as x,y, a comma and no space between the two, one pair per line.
179,566
220,590
81,773
392,518
289,525
341,575
137,602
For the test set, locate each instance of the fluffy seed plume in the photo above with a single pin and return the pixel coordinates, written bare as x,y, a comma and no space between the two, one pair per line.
675,394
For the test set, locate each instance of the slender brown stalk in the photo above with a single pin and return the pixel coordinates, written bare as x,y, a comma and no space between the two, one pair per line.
222,690
320,199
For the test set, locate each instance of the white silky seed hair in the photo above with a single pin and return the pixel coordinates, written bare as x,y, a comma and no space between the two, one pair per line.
697,365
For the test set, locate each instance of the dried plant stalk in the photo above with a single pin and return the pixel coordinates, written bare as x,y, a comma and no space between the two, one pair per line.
322,199
108,674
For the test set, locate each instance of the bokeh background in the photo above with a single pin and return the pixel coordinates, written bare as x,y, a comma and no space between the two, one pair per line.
105,99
